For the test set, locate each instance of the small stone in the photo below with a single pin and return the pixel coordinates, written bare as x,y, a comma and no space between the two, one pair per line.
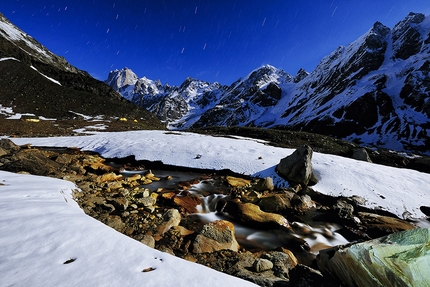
261,265
171,218
146,201
108,177
148,240
237,182
264,184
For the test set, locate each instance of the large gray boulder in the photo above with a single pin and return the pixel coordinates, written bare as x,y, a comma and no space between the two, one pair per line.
297,167
398,259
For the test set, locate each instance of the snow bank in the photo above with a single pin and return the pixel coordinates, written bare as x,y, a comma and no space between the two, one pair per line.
41,227
400,191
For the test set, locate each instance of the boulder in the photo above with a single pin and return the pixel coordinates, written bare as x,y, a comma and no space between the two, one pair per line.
360,154
276,203
297,167
7,147
379,225
32,161
251,214
171,218
216,236
398,259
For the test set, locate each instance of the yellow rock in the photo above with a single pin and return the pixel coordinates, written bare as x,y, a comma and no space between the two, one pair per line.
237,181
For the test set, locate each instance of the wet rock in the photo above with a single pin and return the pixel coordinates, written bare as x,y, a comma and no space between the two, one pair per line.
303,203
261,265
251,214
399,259
264,184
297,167
276,203
237,181
96,163
379,225
111,176
150,176
360,154
188,203
216,236
171,218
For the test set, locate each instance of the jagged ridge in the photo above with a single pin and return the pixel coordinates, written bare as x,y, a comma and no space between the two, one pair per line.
375,90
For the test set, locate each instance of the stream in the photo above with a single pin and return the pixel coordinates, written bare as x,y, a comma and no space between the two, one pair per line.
318,235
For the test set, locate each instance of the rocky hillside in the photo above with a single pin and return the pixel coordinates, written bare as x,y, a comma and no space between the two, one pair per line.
374,91
34,80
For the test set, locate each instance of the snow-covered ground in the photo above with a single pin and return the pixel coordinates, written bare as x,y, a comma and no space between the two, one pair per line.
400,191
41,227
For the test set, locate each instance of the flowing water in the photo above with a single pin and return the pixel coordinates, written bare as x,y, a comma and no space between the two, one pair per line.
317,235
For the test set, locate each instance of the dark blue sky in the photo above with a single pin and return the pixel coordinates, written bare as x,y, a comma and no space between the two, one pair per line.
220,40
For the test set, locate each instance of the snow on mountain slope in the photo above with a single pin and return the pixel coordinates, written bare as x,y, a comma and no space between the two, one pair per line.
29,45
374,90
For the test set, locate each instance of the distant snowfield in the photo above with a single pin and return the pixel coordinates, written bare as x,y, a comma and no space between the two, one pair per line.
400,191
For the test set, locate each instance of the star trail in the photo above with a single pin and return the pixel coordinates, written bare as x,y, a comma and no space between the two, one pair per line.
209,40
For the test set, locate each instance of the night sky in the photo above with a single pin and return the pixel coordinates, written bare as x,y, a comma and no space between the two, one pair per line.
220,40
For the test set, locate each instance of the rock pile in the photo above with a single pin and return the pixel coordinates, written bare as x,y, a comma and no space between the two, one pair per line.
165,218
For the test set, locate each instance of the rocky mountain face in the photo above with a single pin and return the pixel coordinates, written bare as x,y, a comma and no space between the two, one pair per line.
35,80
374,90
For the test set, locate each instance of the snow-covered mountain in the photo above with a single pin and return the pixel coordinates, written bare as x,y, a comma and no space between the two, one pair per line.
35,80
27,48
374,90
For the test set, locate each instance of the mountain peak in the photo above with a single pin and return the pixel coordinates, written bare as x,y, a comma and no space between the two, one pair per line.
412,18
301,74
119,79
